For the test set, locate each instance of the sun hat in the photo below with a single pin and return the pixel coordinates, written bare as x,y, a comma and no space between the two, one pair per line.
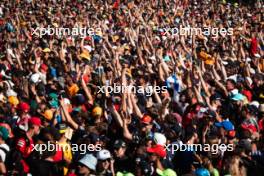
89,161
103,154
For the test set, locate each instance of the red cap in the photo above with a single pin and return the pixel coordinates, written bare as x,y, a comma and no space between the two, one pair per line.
23,106
232,133
44,67
158,150
146,119
35,121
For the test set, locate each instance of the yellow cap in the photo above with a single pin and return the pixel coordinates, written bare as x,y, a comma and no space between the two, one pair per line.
48,114
85,55
73,89
97,111
46,50
13,100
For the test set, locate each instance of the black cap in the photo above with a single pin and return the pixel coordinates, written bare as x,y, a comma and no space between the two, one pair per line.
119,143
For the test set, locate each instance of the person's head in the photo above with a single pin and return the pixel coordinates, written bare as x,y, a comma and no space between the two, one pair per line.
104,158
230,84
87,164
156,152
34,125
119,148
146,122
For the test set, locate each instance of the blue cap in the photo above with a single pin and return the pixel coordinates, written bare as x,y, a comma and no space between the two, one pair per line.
237,97
227,125
202,172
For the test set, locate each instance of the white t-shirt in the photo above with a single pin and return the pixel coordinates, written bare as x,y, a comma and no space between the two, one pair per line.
3,152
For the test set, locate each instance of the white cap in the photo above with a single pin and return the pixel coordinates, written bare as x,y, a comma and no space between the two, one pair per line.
35,77
249,80
257,55
103,154
66,101
252,71
11,92
88,47
255,103
160,139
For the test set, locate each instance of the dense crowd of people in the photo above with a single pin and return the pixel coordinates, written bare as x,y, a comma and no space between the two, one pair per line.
202,89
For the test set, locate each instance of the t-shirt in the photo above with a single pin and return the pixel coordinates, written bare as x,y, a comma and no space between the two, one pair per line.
254,46
4,148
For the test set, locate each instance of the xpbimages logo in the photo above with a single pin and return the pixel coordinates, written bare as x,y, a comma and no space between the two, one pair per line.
81,148
116,88
76,31
213,148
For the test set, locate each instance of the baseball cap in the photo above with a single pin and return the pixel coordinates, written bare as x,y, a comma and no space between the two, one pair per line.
89,161
62,127
97,111
238,97
119,143
159,139
4,133
158,150
23,106
146,119
35,121
103,154
202,172
226,124
166,172
48,114
13,100
46,50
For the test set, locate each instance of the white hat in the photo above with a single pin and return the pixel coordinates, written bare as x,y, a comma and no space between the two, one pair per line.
257,55
35,77
252,71
66,101
160,139
255,103
89,161
103,154
88,47
11,92
249,80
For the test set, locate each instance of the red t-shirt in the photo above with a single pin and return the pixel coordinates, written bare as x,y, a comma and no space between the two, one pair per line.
254,46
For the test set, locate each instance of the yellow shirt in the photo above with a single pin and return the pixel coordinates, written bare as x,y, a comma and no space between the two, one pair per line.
67,153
